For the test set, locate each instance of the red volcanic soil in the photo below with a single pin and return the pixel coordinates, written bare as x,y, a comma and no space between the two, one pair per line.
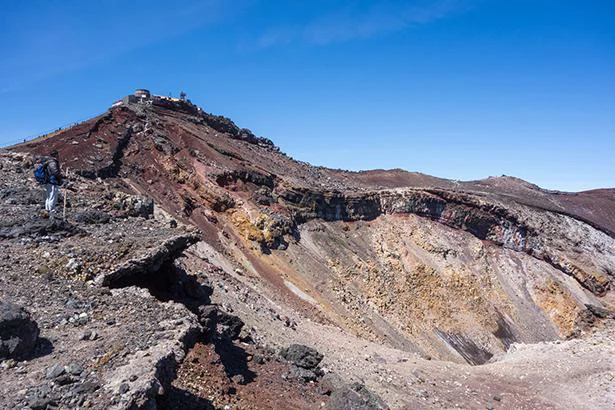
214,377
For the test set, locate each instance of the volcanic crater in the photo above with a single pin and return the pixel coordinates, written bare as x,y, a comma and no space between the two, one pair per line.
415,291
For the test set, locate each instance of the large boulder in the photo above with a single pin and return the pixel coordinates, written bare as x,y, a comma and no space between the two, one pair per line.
355,396
302,356
18,332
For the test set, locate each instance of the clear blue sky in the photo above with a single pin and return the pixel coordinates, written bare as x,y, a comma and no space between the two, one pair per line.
461,89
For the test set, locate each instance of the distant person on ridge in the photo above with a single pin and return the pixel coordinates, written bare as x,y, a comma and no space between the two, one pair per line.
48,173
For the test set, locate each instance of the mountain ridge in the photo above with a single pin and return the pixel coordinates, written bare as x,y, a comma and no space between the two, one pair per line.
573,204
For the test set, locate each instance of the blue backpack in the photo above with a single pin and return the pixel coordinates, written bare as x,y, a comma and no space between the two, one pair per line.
40,173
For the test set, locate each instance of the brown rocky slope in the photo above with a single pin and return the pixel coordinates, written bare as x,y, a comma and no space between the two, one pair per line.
454,271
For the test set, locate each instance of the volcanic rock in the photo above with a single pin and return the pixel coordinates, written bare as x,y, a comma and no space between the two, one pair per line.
302,356
230,325
18,332
55,371
355,396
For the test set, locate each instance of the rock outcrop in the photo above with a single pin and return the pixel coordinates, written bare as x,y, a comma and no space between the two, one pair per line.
149,263
513,226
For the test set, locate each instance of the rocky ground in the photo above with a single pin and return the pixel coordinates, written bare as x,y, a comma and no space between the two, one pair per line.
97,346
199,267
110,314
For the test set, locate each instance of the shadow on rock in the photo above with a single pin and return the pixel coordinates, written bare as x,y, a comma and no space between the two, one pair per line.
43,347
234,359
170,282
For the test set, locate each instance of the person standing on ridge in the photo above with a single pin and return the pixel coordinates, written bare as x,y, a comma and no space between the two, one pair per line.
53,179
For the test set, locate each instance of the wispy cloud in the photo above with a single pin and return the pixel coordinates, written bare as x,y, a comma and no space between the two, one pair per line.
279,36
352,22
58,39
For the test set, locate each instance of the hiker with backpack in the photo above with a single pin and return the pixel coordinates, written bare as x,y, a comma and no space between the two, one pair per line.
48,173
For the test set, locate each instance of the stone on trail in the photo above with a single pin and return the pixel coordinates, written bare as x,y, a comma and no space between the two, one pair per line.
54,371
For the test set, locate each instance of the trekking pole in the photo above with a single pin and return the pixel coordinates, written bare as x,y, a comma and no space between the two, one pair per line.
65,195
64,211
